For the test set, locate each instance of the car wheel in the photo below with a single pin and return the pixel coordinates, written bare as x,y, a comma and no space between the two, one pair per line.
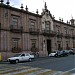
56,55
11,62
16,61
67,54
30,59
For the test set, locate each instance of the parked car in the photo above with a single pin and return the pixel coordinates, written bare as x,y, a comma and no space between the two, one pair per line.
71,52
20,57
52,54
66,52
61,53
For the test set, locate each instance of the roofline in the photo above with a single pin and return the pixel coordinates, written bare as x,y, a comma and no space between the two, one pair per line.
19,10
27,12
63,23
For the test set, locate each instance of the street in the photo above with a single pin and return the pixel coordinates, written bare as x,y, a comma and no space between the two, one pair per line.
56,66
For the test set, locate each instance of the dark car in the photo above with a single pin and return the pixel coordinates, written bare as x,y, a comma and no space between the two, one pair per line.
61,53
71,52
73,49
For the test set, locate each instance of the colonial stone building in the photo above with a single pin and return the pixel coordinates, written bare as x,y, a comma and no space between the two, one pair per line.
24,31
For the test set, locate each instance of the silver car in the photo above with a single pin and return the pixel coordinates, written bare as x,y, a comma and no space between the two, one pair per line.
20,57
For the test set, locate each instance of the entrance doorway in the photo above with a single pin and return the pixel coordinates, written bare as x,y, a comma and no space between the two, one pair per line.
49,46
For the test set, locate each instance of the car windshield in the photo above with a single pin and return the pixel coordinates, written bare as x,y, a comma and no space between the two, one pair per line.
17,55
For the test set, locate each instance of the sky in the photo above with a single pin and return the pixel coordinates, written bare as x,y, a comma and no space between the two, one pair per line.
59,8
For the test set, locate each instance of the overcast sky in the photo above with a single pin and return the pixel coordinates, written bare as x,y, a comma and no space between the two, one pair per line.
59,8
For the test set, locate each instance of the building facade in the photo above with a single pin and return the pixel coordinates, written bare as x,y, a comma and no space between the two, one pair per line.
24,31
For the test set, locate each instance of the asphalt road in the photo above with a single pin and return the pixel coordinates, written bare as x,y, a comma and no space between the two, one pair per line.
66,64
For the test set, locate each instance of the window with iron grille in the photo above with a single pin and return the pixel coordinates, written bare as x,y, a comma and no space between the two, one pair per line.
33,43
32,24
65,30
47,25
15,43
14,21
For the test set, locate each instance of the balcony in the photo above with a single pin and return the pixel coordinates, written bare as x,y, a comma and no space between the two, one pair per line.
73,36
16,29
34,31
59,34
48,33
67,35
34,49
16,50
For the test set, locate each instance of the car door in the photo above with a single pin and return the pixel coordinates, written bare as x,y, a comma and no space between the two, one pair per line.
22,57
27,56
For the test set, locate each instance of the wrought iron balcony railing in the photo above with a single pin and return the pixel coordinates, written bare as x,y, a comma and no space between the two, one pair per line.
59,34
67,35
16,49
16,29
48,32
73,36
34,31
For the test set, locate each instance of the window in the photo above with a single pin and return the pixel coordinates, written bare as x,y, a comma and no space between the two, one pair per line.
27,54
32,24
23,55
57,28
67,45
6,13
33,43
15,43
47,14
59,47
14,21
47,25
72,30
65,31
